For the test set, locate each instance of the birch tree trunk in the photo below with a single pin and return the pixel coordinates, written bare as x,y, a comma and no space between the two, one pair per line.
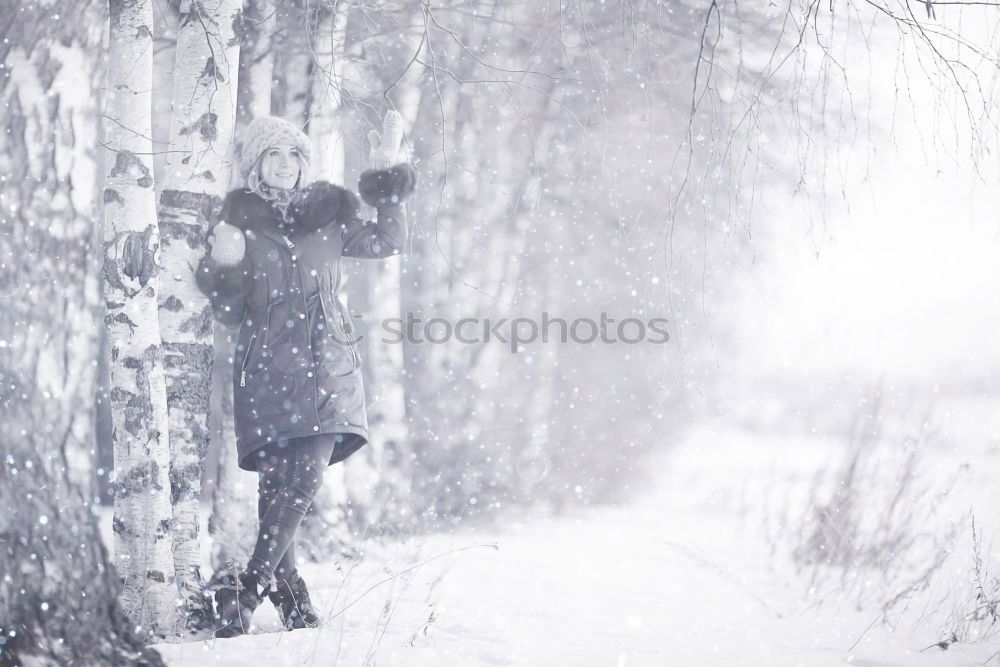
197,176
131,279
233,522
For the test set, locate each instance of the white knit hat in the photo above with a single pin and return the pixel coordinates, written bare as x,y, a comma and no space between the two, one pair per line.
265,132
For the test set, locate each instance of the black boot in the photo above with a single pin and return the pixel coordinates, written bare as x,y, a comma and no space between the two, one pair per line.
236,599
291,599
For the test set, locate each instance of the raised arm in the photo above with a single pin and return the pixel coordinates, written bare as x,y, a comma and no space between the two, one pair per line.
386,190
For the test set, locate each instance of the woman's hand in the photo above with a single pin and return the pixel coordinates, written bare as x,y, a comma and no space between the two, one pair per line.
387,187
228,246
384,149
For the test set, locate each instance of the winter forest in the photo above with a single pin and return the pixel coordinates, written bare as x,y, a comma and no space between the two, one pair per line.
642,332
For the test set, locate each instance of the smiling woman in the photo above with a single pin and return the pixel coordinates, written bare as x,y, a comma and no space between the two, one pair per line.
298,395
281,149
282,166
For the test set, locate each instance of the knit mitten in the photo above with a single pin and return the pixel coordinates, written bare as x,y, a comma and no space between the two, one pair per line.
228,244
384,149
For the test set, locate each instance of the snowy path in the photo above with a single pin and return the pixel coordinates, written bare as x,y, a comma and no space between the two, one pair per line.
652,584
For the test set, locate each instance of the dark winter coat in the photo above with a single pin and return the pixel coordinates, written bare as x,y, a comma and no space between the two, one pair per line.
296,369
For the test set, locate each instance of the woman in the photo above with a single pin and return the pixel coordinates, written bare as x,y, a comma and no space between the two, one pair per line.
298,397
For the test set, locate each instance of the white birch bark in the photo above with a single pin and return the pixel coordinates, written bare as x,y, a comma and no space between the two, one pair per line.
196,179
131,274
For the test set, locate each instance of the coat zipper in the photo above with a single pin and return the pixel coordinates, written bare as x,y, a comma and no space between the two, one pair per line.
246,357
290,245
267,323
305,304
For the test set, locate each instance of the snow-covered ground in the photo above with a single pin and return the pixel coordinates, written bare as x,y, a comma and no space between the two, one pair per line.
680,578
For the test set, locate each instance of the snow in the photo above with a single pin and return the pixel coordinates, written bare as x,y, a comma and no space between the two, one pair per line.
682,577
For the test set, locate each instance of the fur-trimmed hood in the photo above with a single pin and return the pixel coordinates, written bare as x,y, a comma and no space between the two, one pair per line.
314,207
322,203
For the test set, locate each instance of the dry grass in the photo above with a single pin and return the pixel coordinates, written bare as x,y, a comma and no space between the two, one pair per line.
865,529
975,602
881,528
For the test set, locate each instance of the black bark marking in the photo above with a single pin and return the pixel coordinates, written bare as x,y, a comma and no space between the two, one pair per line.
137,408
212,71
111,196
200,323
185,482
206,125
199,437
117,9
112,277
137,255
192,14
206,207
128,164
172,304
241,28
171,230
138,479
123,319
193,362
156,575
118,527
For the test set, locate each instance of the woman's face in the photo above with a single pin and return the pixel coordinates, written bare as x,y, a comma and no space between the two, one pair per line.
280,167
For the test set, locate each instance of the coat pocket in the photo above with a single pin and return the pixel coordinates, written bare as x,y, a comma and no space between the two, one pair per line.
337,341
349,336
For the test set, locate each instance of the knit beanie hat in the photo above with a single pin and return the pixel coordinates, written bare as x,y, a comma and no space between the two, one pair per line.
267,131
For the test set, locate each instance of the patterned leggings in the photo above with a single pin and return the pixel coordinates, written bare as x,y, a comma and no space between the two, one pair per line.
291,473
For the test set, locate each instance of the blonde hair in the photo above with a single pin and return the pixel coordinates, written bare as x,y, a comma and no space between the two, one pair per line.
254,178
